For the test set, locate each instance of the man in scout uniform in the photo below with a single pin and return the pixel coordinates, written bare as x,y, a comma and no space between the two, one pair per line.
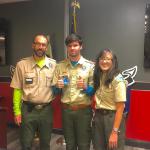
32,95
74,76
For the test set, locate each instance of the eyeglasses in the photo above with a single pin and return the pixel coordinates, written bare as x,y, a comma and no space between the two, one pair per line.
40,44
105,59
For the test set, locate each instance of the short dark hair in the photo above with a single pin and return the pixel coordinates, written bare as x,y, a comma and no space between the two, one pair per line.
111,73
73,38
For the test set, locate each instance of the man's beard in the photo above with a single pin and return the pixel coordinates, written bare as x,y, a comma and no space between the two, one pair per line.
39,53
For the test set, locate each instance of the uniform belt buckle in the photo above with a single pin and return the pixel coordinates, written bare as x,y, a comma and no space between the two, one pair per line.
74,108
38,106
105,112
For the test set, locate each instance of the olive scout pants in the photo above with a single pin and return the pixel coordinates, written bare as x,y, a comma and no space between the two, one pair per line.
102,127
33,120
77,128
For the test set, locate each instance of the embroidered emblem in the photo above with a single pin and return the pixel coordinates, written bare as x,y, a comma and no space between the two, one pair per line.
50,65
83,68
129,75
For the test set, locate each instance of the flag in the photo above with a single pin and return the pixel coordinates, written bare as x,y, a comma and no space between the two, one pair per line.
74,5
73,24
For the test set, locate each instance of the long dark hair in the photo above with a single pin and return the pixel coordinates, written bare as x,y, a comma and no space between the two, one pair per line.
110,74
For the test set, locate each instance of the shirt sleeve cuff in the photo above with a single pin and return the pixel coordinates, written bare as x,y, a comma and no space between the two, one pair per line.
89,90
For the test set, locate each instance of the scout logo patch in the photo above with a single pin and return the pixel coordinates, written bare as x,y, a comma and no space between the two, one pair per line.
50,65
83,68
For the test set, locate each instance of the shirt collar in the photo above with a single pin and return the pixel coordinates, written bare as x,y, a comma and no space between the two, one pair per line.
47,64
80,62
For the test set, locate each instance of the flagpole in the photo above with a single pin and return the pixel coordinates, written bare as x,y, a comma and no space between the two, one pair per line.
75,5
74,19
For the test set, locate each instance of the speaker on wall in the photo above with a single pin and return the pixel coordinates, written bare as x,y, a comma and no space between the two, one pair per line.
3,41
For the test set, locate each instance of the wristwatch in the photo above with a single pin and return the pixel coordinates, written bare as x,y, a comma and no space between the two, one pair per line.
115,130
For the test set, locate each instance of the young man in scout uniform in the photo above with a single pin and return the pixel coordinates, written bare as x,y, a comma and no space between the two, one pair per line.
32,95
74,76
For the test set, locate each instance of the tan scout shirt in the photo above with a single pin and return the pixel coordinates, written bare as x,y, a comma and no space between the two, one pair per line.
35,82
71,94
106,97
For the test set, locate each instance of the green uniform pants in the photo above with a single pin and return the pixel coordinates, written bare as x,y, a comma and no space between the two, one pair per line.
36,120
77,128
102,127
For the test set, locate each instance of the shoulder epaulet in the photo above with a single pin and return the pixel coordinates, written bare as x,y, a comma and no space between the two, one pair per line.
63,61
119,77
53,60
26,58
90,62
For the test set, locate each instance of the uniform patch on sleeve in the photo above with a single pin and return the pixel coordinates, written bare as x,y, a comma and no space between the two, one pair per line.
83,68
50,65
119,77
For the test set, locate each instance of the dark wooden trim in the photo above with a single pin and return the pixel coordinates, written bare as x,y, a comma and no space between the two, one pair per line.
5,79
138,143
141,86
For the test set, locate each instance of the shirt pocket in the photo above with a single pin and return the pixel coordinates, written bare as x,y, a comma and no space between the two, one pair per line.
30,80
108,89
48,80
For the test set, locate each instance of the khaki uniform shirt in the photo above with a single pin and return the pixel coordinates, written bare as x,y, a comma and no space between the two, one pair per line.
106,97
71,94
35,82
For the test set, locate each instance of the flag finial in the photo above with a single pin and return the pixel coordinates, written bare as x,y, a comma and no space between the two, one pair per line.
75,4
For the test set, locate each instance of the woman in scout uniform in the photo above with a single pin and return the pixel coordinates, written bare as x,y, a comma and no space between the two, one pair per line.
110,97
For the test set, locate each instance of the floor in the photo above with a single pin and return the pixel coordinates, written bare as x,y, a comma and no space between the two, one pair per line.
56,143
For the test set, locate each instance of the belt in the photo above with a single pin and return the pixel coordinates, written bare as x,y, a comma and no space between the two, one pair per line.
74,107
35,105
105,111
